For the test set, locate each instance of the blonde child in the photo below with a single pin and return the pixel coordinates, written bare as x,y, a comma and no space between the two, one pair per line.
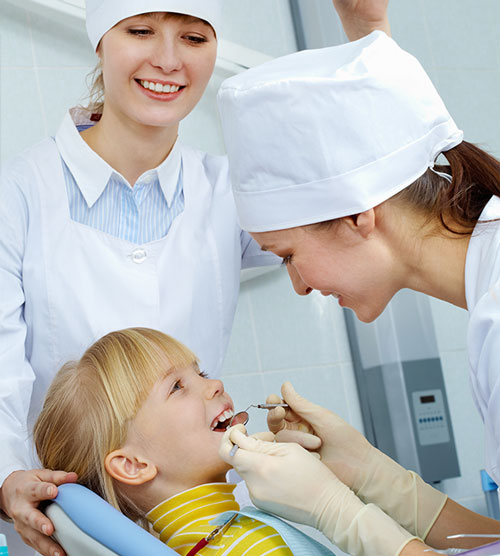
141,425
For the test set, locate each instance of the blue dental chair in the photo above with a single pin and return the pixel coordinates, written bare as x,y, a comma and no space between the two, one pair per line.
86,525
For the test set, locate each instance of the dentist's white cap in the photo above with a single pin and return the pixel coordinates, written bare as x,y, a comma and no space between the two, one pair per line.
322,134
102,15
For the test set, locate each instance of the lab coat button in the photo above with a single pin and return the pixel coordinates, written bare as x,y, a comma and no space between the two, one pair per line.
139,256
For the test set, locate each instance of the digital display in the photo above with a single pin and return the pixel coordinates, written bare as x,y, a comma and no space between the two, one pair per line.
427,399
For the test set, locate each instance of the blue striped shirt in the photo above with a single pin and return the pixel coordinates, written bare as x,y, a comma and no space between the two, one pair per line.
138,214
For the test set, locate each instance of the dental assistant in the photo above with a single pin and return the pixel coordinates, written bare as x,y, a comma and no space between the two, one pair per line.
360,211
113,223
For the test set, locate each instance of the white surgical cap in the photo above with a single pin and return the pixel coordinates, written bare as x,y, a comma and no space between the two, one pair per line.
322,134
102,15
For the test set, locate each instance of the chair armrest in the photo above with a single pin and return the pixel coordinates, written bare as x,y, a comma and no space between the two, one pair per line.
99,520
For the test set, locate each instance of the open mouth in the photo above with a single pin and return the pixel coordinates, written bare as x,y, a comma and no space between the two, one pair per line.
159,87
222,421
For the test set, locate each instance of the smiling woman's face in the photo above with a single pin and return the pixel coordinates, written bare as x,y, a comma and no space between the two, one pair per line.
156,67
340,260
175,428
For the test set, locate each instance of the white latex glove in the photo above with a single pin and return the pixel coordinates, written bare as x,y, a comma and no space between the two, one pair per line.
372,475
287,480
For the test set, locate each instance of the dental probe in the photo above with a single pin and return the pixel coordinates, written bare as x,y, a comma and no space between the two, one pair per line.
245,420
268,405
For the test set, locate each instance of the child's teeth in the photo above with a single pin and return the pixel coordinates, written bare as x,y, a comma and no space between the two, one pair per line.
158,87
151,86
226,415
166,88
145,84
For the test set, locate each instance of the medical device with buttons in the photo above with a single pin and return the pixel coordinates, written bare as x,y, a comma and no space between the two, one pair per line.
401,387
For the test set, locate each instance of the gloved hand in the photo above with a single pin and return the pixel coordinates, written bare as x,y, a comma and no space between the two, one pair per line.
287,480
372,475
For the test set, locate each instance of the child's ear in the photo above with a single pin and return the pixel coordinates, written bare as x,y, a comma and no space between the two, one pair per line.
128,468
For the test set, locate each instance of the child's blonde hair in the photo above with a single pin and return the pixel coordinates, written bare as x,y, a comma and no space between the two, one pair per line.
90,404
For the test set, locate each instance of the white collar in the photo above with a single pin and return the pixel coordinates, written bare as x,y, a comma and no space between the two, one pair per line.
92,173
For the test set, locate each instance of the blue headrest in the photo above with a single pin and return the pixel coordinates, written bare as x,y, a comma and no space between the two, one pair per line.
107,525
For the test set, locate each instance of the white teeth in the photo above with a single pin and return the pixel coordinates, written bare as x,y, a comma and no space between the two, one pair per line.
222,417
159,88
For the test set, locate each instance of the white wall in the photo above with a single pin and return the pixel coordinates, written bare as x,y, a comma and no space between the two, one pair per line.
457,43
278,335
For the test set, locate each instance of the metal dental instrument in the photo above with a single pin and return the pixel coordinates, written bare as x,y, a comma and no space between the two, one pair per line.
473,535
451,551
241,418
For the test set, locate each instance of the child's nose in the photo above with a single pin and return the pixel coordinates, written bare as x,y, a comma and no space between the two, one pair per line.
214,387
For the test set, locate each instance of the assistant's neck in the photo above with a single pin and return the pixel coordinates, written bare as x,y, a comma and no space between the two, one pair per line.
129,147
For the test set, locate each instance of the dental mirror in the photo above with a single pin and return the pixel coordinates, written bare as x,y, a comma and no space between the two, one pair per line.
242,417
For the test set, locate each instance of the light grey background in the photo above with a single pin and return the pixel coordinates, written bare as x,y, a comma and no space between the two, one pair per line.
278,335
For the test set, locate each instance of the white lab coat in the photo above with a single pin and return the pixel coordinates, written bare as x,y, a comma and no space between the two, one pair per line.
64,284
482,288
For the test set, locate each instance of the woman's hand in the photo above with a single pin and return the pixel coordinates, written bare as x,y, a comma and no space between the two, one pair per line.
287,480
282,478
290,427
372,475
361,17
343,449
21,493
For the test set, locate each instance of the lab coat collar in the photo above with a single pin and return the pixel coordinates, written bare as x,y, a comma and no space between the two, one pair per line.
168,172
92,173
482,243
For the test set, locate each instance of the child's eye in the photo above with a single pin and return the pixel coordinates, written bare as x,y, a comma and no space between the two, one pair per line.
203,374
177,386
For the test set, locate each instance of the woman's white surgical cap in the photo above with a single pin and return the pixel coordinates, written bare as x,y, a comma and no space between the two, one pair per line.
322,134
102,15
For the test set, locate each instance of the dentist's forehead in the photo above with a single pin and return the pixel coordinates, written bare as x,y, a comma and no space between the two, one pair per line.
102,15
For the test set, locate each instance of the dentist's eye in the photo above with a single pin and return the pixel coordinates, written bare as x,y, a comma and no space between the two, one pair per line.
140,32
195,39
287,260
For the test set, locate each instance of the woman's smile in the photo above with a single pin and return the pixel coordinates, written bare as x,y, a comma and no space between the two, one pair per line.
157,90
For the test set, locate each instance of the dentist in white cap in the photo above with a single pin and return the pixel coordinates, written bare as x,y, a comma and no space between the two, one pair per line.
113,223
333,162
